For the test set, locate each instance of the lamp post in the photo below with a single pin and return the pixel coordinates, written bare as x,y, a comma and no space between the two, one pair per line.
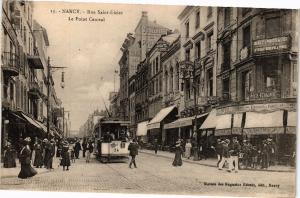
188,71
49,67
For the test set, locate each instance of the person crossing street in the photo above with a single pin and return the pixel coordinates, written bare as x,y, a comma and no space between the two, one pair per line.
133,152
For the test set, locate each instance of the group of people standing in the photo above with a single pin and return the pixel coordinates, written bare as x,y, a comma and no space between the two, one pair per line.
244,155
41,153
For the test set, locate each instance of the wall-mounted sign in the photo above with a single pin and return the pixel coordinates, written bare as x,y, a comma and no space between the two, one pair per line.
271,45
257,108
264,95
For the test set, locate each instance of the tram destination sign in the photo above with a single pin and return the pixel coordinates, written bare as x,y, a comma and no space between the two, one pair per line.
262,46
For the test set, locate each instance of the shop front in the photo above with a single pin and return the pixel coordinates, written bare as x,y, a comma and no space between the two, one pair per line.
155,127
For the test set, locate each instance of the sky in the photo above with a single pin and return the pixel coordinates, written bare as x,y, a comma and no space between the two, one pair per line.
91,50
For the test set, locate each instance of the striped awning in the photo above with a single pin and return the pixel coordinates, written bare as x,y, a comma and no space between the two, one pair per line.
211,120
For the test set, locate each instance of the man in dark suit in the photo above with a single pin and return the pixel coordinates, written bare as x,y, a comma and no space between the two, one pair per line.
133,151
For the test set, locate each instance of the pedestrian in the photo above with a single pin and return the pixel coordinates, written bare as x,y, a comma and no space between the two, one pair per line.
155,146
59,148
234,154
246,151
264,155
219,150
84,147
65,157
178,154
38,159
133,152
9,157
77,149
52,154
26,169
271,149
72,155
90,149
47,153
225,155
188,148
254,156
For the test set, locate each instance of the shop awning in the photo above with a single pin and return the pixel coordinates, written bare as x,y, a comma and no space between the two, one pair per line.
31,121
223,126
182,122
291,123
142,128
211,120
155,122
264,123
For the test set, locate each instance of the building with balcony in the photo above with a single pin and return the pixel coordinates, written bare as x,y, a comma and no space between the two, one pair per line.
21,65
257,74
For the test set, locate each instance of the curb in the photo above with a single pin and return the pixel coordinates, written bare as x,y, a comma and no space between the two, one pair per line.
209,165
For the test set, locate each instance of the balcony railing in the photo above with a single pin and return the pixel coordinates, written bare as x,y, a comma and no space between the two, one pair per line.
10,63
34,89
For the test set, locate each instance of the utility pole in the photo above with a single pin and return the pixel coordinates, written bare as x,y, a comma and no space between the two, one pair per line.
63,115
48,92
48,98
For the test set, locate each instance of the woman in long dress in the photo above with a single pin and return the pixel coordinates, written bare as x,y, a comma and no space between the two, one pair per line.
65,157
178,153
38,159
26,169
9,157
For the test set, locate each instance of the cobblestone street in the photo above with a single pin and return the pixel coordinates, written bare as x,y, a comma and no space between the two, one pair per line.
153,175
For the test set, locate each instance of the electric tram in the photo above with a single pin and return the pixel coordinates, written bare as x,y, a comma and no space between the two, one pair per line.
111,139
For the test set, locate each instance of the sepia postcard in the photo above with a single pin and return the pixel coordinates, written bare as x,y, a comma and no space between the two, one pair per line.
148,99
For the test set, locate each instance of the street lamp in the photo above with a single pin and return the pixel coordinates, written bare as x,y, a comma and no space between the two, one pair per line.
188,72
49,67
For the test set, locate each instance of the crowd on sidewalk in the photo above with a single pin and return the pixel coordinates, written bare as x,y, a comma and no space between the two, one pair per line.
40,153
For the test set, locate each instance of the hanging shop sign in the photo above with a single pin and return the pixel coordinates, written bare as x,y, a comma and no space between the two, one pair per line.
257,108
262,46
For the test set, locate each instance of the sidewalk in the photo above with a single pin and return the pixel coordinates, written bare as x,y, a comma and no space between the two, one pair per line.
13,172
213,162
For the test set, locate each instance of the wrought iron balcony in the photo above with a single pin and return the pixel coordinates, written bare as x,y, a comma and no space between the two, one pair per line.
10,64
34,90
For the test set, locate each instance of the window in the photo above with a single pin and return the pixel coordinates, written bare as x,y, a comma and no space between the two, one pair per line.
210,82
188,89
271,78
227,13
157,65
209,12
166,82
226,89
198,49
246,85
197,25
140,44
209,41
187,29
226,56
171,80
272,27
294,79
187,54
11,91
246,36
177,77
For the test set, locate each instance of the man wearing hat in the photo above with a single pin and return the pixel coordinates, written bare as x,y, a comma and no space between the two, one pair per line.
225,155
234,154
133,152
219,150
